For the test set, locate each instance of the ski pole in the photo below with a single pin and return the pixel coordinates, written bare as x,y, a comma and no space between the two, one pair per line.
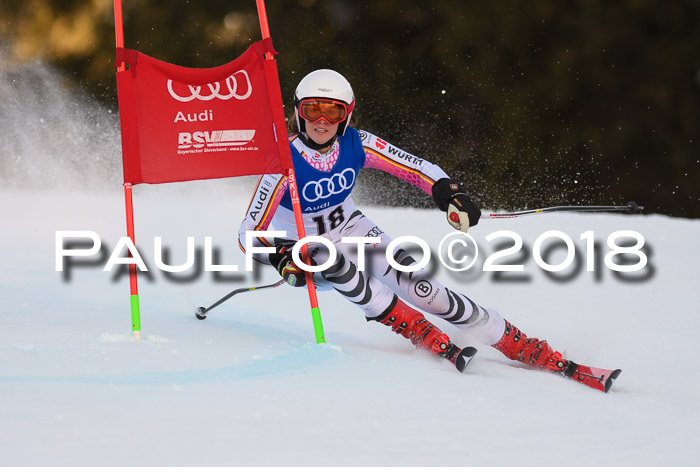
629,208
201,312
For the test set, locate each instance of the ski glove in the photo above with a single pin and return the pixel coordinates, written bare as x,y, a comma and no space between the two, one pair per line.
286,267
462,213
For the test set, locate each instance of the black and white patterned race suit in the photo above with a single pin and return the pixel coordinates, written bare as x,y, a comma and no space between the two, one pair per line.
372,289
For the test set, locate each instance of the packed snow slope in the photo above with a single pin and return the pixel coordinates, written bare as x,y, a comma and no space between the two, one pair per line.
250,387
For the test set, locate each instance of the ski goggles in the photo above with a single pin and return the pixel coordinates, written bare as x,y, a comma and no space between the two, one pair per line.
332,111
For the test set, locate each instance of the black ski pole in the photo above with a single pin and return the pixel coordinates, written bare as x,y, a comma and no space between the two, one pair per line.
629,208
201,312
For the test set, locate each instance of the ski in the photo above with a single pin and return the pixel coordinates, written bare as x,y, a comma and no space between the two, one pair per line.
596,378
460,357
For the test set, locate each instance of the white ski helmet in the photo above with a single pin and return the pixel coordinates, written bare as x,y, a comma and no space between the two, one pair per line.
325,84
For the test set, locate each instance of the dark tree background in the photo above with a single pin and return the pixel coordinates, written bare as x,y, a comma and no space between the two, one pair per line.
530,104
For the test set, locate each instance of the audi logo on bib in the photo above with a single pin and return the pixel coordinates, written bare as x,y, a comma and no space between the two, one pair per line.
327,187
215,88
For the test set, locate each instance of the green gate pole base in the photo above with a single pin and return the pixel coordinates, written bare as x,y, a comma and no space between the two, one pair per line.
135,318
318,325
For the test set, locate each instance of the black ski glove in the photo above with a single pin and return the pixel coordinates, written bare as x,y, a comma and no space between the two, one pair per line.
462,213
283,262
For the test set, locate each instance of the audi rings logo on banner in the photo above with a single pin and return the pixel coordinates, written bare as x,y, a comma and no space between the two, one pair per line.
326,187
215,89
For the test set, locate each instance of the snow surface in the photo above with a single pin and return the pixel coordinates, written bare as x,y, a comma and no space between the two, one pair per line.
249,386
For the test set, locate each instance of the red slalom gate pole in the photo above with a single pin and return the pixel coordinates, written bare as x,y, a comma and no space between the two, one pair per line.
119,28
294,194
133,283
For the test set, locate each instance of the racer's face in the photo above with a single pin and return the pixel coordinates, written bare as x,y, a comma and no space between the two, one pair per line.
321,131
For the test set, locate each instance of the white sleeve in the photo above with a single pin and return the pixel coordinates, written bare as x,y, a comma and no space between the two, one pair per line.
263,205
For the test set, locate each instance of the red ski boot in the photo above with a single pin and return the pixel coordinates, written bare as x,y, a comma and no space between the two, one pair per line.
517,346
538,353
412,325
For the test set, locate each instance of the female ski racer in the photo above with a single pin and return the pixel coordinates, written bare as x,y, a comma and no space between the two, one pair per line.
327,155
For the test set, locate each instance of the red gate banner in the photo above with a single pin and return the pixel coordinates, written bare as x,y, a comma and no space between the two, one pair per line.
182,124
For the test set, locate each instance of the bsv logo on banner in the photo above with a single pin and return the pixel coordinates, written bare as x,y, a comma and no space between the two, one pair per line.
326,187
214,139
215,89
